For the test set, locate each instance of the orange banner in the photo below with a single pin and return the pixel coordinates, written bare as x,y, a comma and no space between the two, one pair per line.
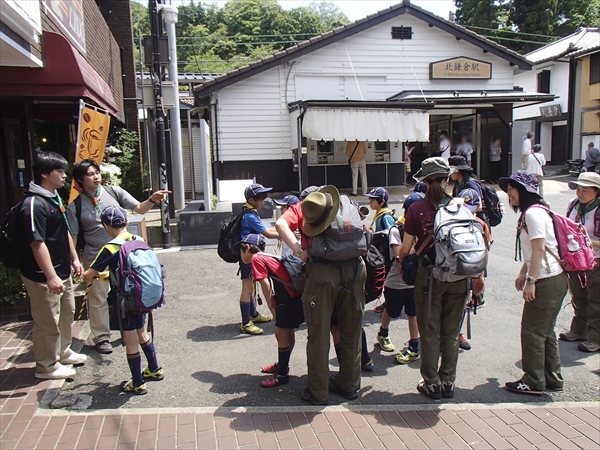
91,139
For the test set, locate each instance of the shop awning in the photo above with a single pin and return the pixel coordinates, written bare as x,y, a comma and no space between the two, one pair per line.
65,74
479,98
376,124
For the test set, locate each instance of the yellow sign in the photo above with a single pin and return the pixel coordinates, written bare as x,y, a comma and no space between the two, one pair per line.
460,68
91,138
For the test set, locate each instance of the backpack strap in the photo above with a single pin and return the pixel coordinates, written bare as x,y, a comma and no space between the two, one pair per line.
523,226
110,190
424,244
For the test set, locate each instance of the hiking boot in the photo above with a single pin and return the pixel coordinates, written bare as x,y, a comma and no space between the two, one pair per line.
77,359
62,373
463,343
275,380
261,318
522,388
250,328
369,366
335,387
385,343
588,347
153,376
379,308
307,397
407,356
448,389
127,386
104,347
433,391
571,336
272,368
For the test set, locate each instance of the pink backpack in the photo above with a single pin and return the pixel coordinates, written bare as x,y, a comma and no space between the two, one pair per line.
583,259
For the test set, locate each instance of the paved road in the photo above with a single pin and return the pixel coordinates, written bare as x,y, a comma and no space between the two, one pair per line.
208,363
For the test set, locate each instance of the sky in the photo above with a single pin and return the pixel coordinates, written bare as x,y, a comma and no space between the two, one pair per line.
357,9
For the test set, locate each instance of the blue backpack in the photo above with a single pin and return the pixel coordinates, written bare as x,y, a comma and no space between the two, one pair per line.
139,277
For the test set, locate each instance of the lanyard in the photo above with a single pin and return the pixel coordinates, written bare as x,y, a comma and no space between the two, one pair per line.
57,201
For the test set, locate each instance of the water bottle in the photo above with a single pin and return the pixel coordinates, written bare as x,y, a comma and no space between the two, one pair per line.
573,245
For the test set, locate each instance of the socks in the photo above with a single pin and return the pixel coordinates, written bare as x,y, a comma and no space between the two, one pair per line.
413,345
150,353
384,332
365,357
284,361
338,350
135,366
245,308
253,311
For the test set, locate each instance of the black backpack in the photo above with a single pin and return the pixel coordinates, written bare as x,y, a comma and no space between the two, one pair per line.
492,204
381,241
376,274
231,234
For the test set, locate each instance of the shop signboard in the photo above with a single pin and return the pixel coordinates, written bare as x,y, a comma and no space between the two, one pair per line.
68,15
460,68
550,111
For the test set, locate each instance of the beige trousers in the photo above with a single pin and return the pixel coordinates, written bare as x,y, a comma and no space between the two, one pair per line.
52,319
359,166
97,306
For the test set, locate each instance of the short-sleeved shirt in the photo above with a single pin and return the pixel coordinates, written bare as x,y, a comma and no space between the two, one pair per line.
251,224
589,222
495,153
465,149
394,278
534,166
445,148
263,265
41,220
539,225
93,232
591,154
419,222
108,256
526,148
385,222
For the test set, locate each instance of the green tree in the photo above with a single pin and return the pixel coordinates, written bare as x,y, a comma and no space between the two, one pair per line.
477,13
331,16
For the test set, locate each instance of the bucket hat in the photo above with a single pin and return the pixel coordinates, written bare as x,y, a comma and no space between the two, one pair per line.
253,239
459,163
288,200
254,189
115,216
586,179
378,192
433,168
524,178
319,210
471,198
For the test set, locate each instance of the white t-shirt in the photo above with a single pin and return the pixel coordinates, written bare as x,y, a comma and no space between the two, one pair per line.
589,226
534,166
526,149
445,148
539,225
465,149
394,278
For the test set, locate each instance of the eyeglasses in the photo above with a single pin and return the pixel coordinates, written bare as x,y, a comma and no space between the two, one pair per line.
91,174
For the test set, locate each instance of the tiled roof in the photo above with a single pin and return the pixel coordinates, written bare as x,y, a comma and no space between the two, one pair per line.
582,41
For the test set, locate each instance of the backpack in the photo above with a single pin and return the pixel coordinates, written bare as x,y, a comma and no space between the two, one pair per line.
376,274
11,251
459,243
294,267
491,204
139,278
583,259
344,239
381,241
573,204
231,234
80,238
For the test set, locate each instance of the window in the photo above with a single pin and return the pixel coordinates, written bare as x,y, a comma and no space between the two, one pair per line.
543,82
595,68
402,32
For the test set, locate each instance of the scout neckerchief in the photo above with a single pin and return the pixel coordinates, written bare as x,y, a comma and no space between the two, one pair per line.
582,210
381,213
57,201
94,198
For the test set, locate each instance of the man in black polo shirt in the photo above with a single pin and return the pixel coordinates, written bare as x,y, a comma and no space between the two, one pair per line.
49,255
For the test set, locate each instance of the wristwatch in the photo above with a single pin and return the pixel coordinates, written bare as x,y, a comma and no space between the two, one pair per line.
531,279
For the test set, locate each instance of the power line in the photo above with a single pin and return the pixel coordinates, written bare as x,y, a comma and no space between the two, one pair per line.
508,31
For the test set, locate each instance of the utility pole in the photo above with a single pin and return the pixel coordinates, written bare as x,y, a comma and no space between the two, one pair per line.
156,73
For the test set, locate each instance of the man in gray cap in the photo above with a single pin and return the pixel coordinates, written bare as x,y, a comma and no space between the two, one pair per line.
592,158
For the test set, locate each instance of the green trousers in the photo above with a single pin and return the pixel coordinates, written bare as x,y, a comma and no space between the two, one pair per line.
448,301
539,347
331,285
586,320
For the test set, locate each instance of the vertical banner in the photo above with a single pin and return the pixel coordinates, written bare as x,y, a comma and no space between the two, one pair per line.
92,133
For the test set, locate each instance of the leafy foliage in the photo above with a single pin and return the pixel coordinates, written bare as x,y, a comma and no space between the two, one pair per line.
12,286
129,163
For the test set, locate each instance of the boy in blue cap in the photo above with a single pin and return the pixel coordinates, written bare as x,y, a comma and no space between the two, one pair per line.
384,217
114,220
251,224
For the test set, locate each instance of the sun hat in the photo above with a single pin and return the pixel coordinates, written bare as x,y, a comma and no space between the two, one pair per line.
412,198
253,239
254,189
459,163
471,198
586,179
308,190
288,200
420,187
591,144
319,210
433,168
115,216
524,178
378,192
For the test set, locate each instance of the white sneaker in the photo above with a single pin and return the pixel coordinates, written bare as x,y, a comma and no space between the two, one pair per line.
59,374
74,358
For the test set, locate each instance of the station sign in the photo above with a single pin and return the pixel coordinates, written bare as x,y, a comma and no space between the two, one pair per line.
461,68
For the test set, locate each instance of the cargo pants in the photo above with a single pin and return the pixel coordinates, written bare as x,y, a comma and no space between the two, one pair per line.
448,301
332,285
586,321
97,307
539,347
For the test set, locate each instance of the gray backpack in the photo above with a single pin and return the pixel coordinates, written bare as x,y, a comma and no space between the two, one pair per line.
460,246
294,266
345,239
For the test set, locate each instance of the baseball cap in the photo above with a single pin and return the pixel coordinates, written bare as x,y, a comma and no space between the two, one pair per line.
420,187
254,239
412,198
471,198
378,192
115,216
254,189
288,200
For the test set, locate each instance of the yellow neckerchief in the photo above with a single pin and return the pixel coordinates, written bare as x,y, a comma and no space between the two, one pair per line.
251,208
380,213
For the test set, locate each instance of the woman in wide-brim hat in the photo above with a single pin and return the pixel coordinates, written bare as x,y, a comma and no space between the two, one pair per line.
585,209
448,299
543,284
